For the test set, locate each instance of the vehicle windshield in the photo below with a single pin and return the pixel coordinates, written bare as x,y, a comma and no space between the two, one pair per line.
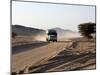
52,32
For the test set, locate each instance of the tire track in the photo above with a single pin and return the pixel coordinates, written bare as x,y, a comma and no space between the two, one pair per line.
57,66
36,56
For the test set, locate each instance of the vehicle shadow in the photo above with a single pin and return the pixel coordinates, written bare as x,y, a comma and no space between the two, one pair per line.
64,41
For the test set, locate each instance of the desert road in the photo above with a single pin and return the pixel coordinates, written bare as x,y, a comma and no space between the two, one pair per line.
35,54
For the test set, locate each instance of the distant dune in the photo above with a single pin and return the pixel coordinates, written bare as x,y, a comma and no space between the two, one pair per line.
26,31
40,34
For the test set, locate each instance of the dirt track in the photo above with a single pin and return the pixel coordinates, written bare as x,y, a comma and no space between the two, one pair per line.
53,57
36,56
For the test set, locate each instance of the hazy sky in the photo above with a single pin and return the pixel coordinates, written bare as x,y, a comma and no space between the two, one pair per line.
45,16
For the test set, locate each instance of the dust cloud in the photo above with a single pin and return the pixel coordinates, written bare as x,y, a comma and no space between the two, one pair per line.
40,37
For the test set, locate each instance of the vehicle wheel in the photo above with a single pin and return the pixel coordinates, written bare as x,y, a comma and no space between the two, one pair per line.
53,41
47,40
56,40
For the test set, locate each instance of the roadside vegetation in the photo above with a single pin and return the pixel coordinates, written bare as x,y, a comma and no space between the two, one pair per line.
87,29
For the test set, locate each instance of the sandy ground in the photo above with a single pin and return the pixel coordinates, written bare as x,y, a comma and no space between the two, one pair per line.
39,57
36,55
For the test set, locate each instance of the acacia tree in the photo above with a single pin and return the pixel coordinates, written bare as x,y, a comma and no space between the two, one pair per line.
86,29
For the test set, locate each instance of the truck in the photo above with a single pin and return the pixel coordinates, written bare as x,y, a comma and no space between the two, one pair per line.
51,35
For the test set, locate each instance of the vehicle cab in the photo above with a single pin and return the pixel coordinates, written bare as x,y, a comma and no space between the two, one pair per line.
51,35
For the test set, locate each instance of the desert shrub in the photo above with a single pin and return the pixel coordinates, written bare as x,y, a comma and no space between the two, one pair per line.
14,34
86,29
